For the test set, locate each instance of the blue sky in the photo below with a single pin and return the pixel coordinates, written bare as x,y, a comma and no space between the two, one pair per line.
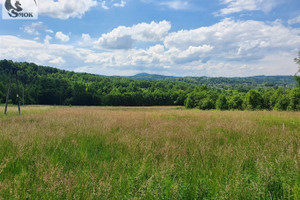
171,37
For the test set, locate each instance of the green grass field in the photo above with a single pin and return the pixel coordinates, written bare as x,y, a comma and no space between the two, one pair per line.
148,153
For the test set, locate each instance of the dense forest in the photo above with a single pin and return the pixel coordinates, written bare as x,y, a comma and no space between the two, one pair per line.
226,83
51,86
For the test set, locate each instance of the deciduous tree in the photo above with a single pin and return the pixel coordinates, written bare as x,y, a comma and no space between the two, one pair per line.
222,103
254,100
297,76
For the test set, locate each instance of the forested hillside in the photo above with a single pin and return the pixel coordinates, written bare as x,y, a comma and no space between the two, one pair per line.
47,85
241,83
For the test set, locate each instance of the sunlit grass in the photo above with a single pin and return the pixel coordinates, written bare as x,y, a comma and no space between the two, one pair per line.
12,110
148,153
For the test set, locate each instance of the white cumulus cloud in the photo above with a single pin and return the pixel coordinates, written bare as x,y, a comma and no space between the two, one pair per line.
35,28
237,40
227,48
64,9
235,6
62,37
122,3
18,49
171,4
47,39
106,5
295,20
86,40
176,4
124,37
58,60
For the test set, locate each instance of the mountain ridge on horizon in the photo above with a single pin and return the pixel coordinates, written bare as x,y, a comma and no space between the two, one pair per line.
197,80
170,76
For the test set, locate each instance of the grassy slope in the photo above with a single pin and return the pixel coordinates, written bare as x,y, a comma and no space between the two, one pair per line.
149,153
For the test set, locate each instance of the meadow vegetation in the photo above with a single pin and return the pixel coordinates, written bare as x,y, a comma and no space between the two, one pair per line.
148,153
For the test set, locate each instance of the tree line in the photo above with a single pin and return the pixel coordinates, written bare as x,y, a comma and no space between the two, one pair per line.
51,86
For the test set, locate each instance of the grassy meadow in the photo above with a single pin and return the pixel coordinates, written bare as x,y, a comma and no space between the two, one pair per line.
148,153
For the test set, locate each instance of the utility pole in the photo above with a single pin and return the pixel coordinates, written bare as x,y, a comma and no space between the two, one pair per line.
13,72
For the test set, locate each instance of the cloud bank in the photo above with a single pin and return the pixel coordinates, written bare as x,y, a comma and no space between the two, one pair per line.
227,48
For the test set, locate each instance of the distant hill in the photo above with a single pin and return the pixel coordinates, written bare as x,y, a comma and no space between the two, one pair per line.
146,76
268,81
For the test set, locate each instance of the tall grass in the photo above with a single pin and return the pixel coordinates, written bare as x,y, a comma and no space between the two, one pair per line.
149,153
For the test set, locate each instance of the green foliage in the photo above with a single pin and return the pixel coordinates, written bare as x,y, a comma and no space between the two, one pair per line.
297,78
189,103
254,100
180,97
206,104
282,103
267,104
235,102
221,103
2,92
195,97
50,86
241,84
46,85
294,99
275,96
